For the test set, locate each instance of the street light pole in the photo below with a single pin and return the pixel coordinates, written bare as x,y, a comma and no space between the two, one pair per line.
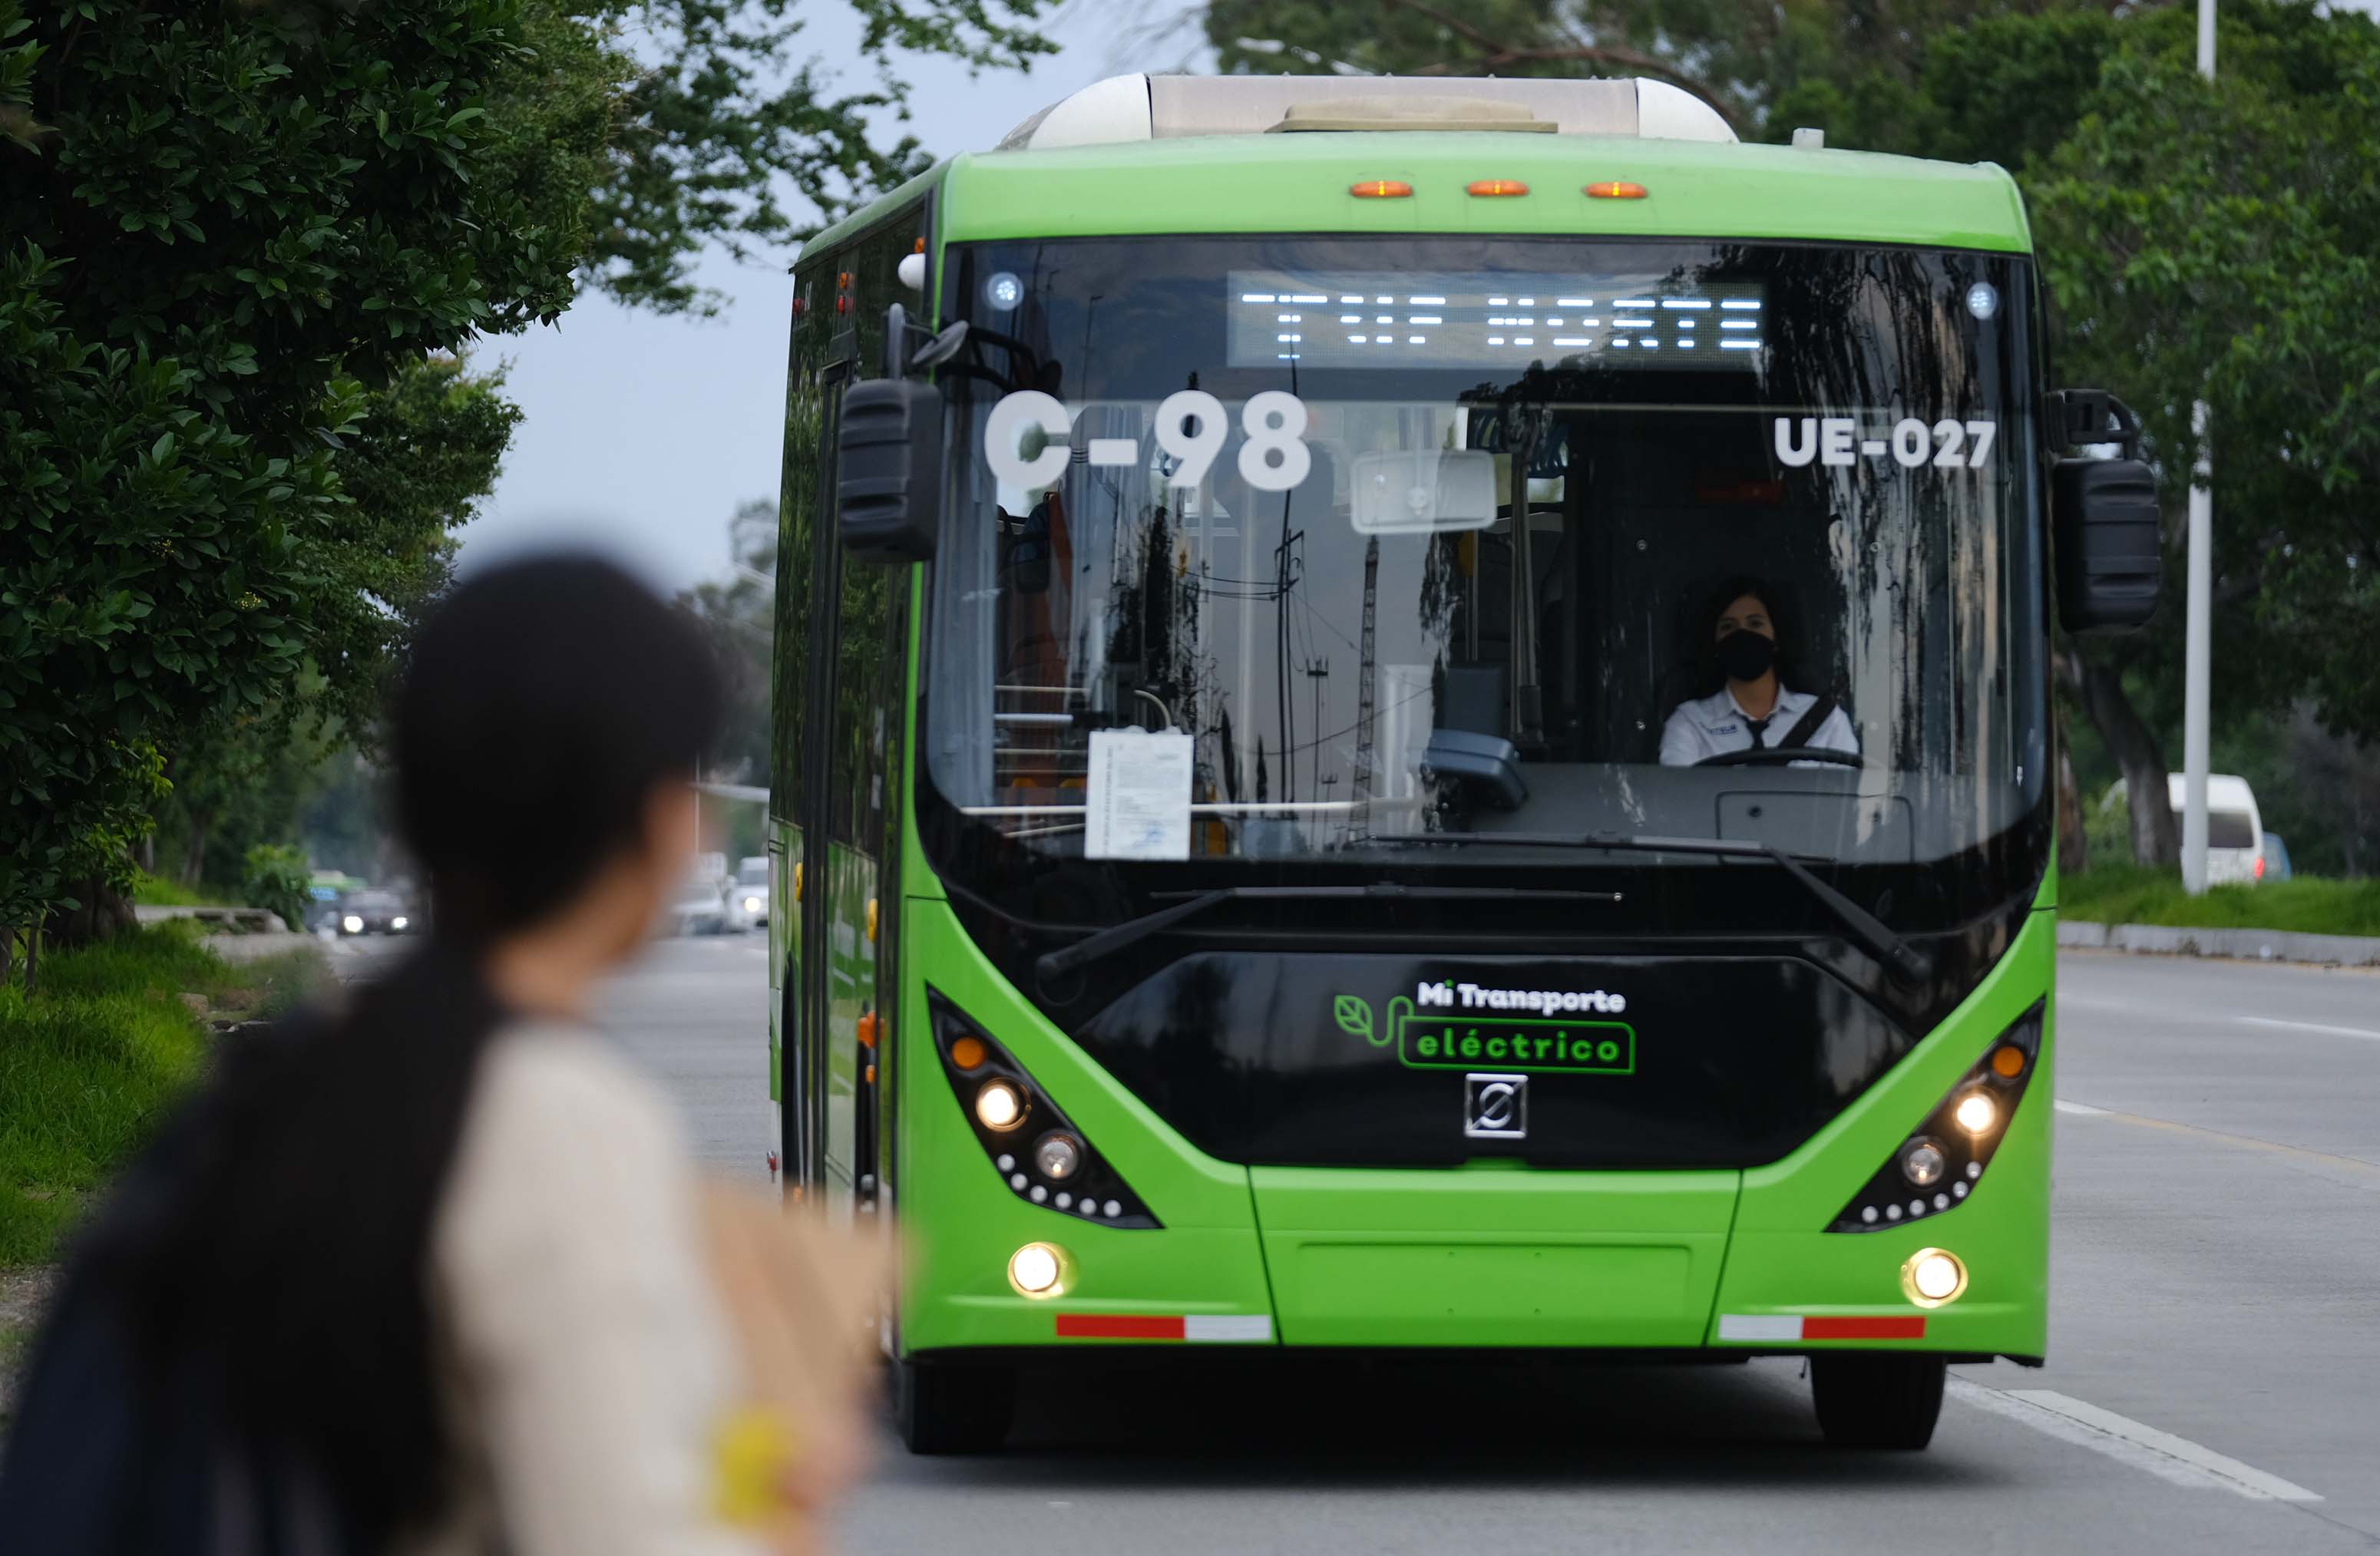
2197,647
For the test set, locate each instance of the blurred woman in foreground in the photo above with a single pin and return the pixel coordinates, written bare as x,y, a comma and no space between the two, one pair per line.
435,1274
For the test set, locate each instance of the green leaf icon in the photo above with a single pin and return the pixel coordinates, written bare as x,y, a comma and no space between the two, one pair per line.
1353,1015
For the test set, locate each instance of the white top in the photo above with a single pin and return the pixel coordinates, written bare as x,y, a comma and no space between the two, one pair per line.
588,1360
1708,726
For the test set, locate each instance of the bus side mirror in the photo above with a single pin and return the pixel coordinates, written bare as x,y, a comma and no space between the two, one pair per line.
889,448
2110,549
887,481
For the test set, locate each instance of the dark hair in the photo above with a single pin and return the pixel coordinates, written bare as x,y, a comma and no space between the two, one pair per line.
281,1229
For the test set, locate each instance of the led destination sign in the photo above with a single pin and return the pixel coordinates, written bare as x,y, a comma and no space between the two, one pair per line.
1405,320
1444,1038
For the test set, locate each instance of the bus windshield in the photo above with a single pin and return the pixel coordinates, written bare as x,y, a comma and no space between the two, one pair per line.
1402,538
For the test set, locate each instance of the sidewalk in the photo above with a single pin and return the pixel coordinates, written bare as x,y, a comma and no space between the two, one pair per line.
2253,945
236,934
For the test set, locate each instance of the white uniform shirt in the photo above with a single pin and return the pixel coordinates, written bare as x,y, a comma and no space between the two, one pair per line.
1709,725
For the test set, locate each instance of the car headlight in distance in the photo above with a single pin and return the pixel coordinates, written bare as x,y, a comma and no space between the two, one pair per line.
1941,1161
751,905
352,924
398,922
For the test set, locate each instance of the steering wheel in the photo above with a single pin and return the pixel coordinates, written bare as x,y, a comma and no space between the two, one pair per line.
1781,756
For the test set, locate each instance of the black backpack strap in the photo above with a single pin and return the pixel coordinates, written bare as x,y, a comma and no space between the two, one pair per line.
1813,719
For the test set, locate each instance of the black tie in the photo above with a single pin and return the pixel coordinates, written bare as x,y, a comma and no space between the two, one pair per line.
1756,726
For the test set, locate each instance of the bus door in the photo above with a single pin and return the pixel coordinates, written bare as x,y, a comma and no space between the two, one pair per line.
867,650
805,622
854,903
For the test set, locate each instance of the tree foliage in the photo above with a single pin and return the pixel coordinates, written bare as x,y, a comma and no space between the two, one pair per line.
738,615
224,230
730,137
242,244
2217,242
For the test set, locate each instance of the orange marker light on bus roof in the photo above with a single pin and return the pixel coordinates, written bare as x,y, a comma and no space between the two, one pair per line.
1380,189
1496,187
1615,190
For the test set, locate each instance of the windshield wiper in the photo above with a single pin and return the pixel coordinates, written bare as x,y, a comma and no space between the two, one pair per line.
1116,937
1901,957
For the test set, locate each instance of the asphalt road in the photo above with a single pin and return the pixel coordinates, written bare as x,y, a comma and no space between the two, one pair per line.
2214,1381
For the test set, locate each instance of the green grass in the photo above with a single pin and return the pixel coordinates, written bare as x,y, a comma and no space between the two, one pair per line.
156,890
95,1054
2129,895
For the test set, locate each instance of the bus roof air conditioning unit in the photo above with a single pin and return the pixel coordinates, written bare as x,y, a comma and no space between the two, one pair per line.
1129,108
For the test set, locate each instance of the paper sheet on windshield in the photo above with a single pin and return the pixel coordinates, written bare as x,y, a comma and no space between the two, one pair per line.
1139,802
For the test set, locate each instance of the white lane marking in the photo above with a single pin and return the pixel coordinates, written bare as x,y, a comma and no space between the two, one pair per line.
2080,1110
2170,1458
2363,1032
2221,1465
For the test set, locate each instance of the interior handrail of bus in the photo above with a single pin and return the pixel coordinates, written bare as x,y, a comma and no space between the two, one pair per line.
1902,959
1132,931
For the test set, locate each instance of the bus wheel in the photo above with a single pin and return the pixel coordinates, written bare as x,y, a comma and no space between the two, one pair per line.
953,1409
1877,1399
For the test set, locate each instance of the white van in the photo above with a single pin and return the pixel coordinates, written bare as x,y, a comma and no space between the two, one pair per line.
2235,830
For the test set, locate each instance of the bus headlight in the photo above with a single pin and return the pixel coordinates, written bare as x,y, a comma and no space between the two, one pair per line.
1941,1161
1933,1277
999,1105
1038,1269
1060,1172
352,924
1057,1157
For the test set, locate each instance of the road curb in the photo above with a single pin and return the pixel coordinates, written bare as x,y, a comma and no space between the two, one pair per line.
2253,945
217,920
237,949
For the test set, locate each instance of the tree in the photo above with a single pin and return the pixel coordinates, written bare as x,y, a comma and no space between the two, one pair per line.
2217,242
220,230
739,616
714,137
426,452
235,238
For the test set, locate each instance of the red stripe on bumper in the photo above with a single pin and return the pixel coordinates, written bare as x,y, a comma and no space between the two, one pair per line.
1119,1326
1817,1328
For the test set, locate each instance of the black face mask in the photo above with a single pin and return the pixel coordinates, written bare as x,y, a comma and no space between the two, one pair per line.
1745,656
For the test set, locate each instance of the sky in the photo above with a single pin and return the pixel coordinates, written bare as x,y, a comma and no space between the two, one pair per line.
641,432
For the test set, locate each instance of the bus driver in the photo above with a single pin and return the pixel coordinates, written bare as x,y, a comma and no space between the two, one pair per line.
1753,709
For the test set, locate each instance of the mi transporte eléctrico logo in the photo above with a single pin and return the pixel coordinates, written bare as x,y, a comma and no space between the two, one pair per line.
1462,1025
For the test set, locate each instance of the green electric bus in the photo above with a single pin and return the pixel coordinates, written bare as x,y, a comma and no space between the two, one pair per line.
1415,715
